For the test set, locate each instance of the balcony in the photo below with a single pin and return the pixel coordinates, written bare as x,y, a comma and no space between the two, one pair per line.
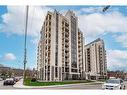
66,45
66,35
66,40
66,49
66,24
67,54
63,28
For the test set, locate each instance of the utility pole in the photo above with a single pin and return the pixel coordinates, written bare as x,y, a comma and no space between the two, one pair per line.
25,44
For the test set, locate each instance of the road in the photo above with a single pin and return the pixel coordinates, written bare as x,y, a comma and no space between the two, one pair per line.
91,86
81,86
74,86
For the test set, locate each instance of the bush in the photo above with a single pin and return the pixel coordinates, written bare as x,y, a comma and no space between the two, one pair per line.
33,80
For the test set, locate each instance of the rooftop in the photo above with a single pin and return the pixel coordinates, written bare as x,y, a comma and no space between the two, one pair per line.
99,39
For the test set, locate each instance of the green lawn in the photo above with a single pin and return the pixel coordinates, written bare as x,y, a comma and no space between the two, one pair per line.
29,83
102,80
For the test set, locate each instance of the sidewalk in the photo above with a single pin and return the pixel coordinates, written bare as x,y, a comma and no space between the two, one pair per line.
19,84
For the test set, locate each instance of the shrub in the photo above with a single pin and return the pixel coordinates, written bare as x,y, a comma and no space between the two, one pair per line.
33,80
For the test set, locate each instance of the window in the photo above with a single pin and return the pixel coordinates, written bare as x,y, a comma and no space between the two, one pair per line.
49,29
46,23
49,41
74,70
56,54
49,35
50,17
56,72
66,24
66,69
48,68
45,54
49,54
45,47
47,17
48,47
63,22
49,23
45,62
46,41
46,35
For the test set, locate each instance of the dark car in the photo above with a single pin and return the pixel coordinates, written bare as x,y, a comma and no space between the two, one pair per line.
16,79
9,81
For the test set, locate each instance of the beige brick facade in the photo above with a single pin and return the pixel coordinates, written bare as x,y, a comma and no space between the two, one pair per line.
61,51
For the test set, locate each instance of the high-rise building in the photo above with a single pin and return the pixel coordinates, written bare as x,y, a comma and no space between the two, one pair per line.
62,54
60,49
95,60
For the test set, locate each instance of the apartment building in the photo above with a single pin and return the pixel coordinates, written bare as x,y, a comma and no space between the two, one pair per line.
81,54
95,60
60,49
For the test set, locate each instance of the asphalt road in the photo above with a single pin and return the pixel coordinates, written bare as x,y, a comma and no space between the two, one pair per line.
81,86
92,86
74,86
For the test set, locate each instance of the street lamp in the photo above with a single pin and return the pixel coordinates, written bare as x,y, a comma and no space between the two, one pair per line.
106,8
25,44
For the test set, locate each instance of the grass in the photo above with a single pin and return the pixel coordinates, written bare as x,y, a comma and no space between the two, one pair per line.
102,80
29,83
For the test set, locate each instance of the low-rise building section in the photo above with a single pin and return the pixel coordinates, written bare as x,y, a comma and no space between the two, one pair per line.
6,72
117,74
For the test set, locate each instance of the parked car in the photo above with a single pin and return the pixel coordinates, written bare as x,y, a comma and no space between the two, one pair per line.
125,79
16,79
9,81
114,84
1,79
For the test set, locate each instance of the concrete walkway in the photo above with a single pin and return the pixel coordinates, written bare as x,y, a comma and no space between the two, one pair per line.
19,84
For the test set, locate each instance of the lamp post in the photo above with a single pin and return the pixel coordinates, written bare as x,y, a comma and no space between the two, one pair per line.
106,8
25,44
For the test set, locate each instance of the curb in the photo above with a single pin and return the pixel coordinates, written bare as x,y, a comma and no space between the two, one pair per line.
30,87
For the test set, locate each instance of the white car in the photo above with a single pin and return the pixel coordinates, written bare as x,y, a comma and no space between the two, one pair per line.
1,79
113,84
